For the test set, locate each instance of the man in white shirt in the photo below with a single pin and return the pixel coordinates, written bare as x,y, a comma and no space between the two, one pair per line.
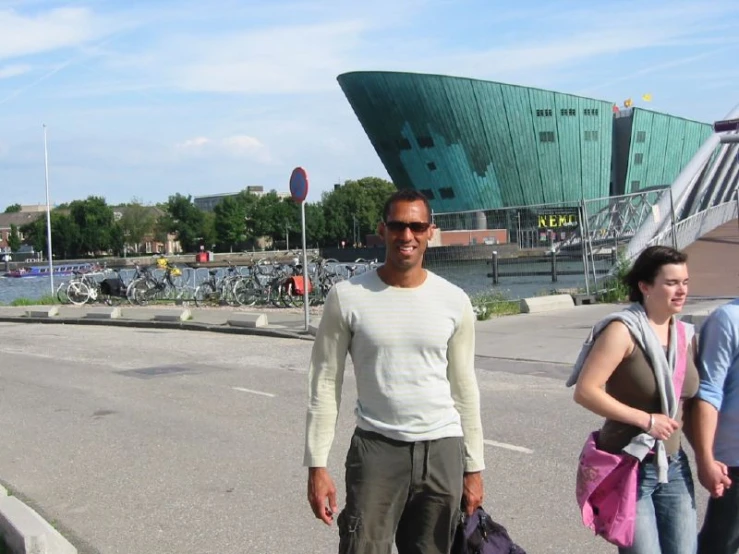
416,455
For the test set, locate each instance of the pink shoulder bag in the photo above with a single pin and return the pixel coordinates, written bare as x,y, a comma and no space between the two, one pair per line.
606,484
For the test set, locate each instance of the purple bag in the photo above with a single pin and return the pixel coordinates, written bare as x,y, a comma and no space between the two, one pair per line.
606,484
479,534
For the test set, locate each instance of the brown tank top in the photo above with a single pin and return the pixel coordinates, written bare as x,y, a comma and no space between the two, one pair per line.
633,383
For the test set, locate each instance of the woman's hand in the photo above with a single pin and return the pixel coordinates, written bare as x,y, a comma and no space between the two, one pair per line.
660,426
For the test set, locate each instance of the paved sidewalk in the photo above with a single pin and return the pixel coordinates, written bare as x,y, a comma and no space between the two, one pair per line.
713,261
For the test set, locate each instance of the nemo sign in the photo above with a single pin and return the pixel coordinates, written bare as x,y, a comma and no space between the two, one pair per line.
553,221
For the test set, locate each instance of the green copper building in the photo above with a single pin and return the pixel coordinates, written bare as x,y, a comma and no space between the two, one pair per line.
478,145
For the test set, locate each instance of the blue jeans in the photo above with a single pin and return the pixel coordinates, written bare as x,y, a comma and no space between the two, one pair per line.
665,512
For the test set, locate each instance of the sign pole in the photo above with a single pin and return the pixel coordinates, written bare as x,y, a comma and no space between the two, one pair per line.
48,215
306,282
299,192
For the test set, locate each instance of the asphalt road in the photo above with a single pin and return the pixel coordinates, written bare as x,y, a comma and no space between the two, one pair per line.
153,441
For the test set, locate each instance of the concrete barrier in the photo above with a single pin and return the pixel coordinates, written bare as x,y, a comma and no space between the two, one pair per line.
695,319
156,314
539,304
173,315
103,313
248,320
26,532
51,311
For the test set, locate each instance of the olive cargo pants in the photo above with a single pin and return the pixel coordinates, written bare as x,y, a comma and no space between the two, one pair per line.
407,492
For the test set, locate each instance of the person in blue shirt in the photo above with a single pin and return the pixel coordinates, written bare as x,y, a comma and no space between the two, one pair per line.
716,429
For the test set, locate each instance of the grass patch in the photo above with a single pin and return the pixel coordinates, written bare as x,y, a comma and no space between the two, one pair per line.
43,301
494,304
615,289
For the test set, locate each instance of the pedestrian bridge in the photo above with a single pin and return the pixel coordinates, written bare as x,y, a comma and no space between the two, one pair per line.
703,197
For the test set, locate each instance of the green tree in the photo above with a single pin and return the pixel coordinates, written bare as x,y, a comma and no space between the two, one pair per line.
185,220
274,215
14,239
65,236
315,224
137,221
95,222
360,200
208,233
117,239
230,220
13,209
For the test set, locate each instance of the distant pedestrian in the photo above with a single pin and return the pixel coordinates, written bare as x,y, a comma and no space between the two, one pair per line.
628,373
416,454
716,429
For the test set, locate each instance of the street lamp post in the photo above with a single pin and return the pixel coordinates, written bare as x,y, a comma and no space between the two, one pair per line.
48,214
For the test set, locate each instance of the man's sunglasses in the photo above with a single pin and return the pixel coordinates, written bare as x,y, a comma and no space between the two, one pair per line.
416,227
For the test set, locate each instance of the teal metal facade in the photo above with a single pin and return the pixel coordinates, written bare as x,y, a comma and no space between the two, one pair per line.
470,145
660,147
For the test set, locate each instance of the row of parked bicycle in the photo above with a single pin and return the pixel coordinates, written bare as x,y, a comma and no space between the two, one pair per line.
266,282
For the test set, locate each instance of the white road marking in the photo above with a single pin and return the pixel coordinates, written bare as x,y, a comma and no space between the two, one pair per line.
260,393
508,446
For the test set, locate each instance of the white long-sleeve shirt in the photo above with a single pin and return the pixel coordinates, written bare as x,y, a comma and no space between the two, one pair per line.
413,351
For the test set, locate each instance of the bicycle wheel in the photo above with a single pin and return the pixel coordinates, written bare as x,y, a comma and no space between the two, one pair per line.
245,292
185,295
138,291
78,293
61,293
207,295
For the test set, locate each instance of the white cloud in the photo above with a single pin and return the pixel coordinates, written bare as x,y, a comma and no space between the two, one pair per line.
237,146
193,143
300,58
14,70
594,34
59,28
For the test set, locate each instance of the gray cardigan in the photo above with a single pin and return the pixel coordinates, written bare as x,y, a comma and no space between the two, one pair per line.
635,319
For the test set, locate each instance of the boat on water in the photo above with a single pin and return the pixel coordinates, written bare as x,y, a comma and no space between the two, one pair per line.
58,270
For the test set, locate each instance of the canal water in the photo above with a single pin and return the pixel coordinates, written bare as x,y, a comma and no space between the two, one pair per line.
471,276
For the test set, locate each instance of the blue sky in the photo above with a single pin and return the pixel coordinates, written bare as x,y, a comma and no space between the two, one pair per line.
148,98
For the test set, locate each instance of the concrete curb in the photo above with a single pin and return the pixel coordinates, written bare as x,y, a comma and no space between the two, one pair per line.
175,325
541,304
26,532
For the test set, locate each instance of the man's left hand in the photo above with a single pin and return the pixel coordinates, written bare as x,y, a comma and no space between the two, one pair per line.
473,492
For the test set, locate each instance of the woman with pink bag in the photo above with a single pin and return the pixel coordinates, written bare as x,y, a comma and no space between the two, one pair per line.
635,370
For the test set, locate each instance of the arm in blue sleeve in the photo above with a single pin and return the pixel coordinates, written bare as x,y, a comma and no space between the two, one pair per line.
716,353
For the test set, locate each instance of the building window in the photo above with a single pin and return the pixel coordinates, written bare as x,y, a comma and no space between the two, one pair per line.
641,136
591,136
446,192
567,111
590,111
431,166
635,185
546,136
544,113
403,144
425,142
638,158
428,193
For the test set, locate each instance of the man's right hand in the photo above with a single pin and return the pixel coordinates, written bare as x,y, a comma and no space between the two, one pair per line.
322,494
714,476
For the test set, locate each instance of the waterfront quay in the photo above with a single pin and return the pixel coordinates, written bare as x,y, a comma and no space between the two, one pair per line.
156,438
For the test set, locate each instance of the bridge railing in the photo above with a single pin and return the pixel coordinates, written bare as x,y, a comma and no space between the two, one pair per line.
689,230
